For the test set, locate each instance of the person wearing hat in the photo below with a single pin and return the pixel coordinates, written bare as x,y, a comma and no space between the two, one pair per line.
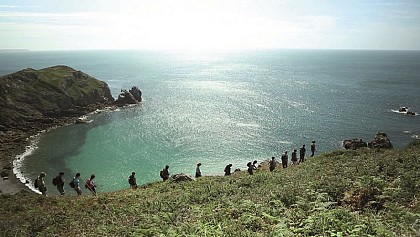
40,183
198,171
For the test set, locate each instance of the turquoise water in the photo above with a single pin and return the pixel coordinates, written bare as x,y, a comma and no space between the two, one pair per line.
219,108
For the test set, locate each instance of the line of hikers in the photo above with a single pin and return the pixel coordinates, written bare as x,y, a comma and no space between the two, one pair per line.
59,181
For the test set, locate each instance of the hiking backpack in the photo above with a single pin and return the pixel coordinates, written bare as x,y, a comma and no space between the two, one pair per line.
131,180
72,184
36,183
55,181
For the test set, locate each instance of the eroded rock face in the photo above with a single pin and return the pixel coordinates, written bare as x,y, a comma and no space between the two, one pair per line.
133,96
381,140
136,93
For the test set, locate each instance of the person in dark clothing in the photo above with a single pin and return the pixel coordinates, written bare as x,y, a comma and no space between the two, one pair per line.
294,157
250,168
302,152
132,180
60,183
272,164
228,169
313,149
284,159
198,171
254,165
40,184
164,174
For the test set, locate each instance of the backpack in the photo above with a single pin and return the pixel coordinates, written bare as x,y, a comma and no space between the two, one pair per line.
72,184
36,183
162,174
55,181
131,180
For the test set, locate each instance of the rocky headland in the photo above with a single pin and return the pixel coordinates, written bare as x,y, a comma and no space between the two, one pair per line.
35,100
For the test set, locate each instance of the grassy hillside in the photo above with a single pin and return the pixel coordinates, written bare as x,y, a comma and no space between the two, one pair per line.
343,193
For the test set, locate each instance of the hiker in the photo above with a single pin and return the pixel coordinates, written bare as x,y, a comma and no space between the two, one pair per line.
132,180
313,149
164,174
228,169
272,164
294,157
198,171
40,184
250,168
254,165
284,159
59,182
75,184
89,184
302,152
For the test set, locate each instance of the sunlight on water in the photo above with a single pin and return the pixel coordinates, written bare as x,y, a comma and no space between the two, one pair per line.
225,108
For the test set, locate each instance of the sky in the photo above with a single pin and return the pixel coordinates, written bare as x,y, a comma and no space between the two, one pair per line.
209,24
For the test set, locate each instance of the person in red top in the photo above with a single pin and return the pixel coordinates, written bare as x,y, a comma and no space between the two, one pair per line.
89,184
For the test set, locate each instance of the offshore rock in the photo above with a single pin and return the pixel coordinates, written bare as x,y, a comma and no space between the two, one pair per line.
136,92
133,96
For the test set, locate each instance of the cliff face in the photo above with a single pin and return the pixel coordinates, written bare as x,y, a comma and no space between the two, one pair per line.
39,95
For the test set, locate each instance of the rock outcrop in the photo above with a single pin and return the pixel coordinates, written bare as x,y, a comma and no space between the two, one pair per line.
354,144
181,177
381,140
133,96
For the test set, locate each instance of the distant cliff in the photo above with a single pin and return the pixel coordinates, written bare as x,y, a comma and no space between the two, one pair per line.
39,96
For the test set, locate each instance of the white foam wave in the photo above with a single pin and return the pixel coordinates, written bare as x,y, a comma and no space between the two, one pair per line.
19,159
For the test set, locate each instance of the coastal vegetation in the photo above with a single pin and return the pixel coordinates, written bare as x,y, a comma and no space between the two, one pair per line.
365,192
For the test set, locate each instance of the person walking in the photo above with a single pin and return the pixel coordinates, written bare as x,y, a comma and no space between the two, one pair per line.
272,164
313,149
228,169
250,168
89,184
40,184
75,184
132,180
198,171
254,165
294,157
164,174
58,181
302,152
284,159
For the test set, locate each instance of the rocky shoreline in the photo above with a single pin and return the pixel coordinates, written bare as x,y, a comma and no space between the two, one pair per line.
33,101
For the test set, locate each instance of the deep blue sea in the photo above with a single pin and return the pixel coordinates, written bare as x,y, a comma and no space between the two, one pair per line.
222,107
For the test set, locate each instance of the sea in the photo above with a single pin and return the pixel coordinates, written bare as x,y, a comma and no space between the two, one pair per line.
220,107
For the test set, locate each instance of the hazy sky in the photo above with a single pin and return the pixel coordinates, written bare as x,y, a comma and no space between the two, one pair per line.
208,24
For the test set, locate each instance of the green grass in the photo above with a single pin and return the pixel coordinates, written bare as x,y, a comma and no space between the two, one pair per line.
342,193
